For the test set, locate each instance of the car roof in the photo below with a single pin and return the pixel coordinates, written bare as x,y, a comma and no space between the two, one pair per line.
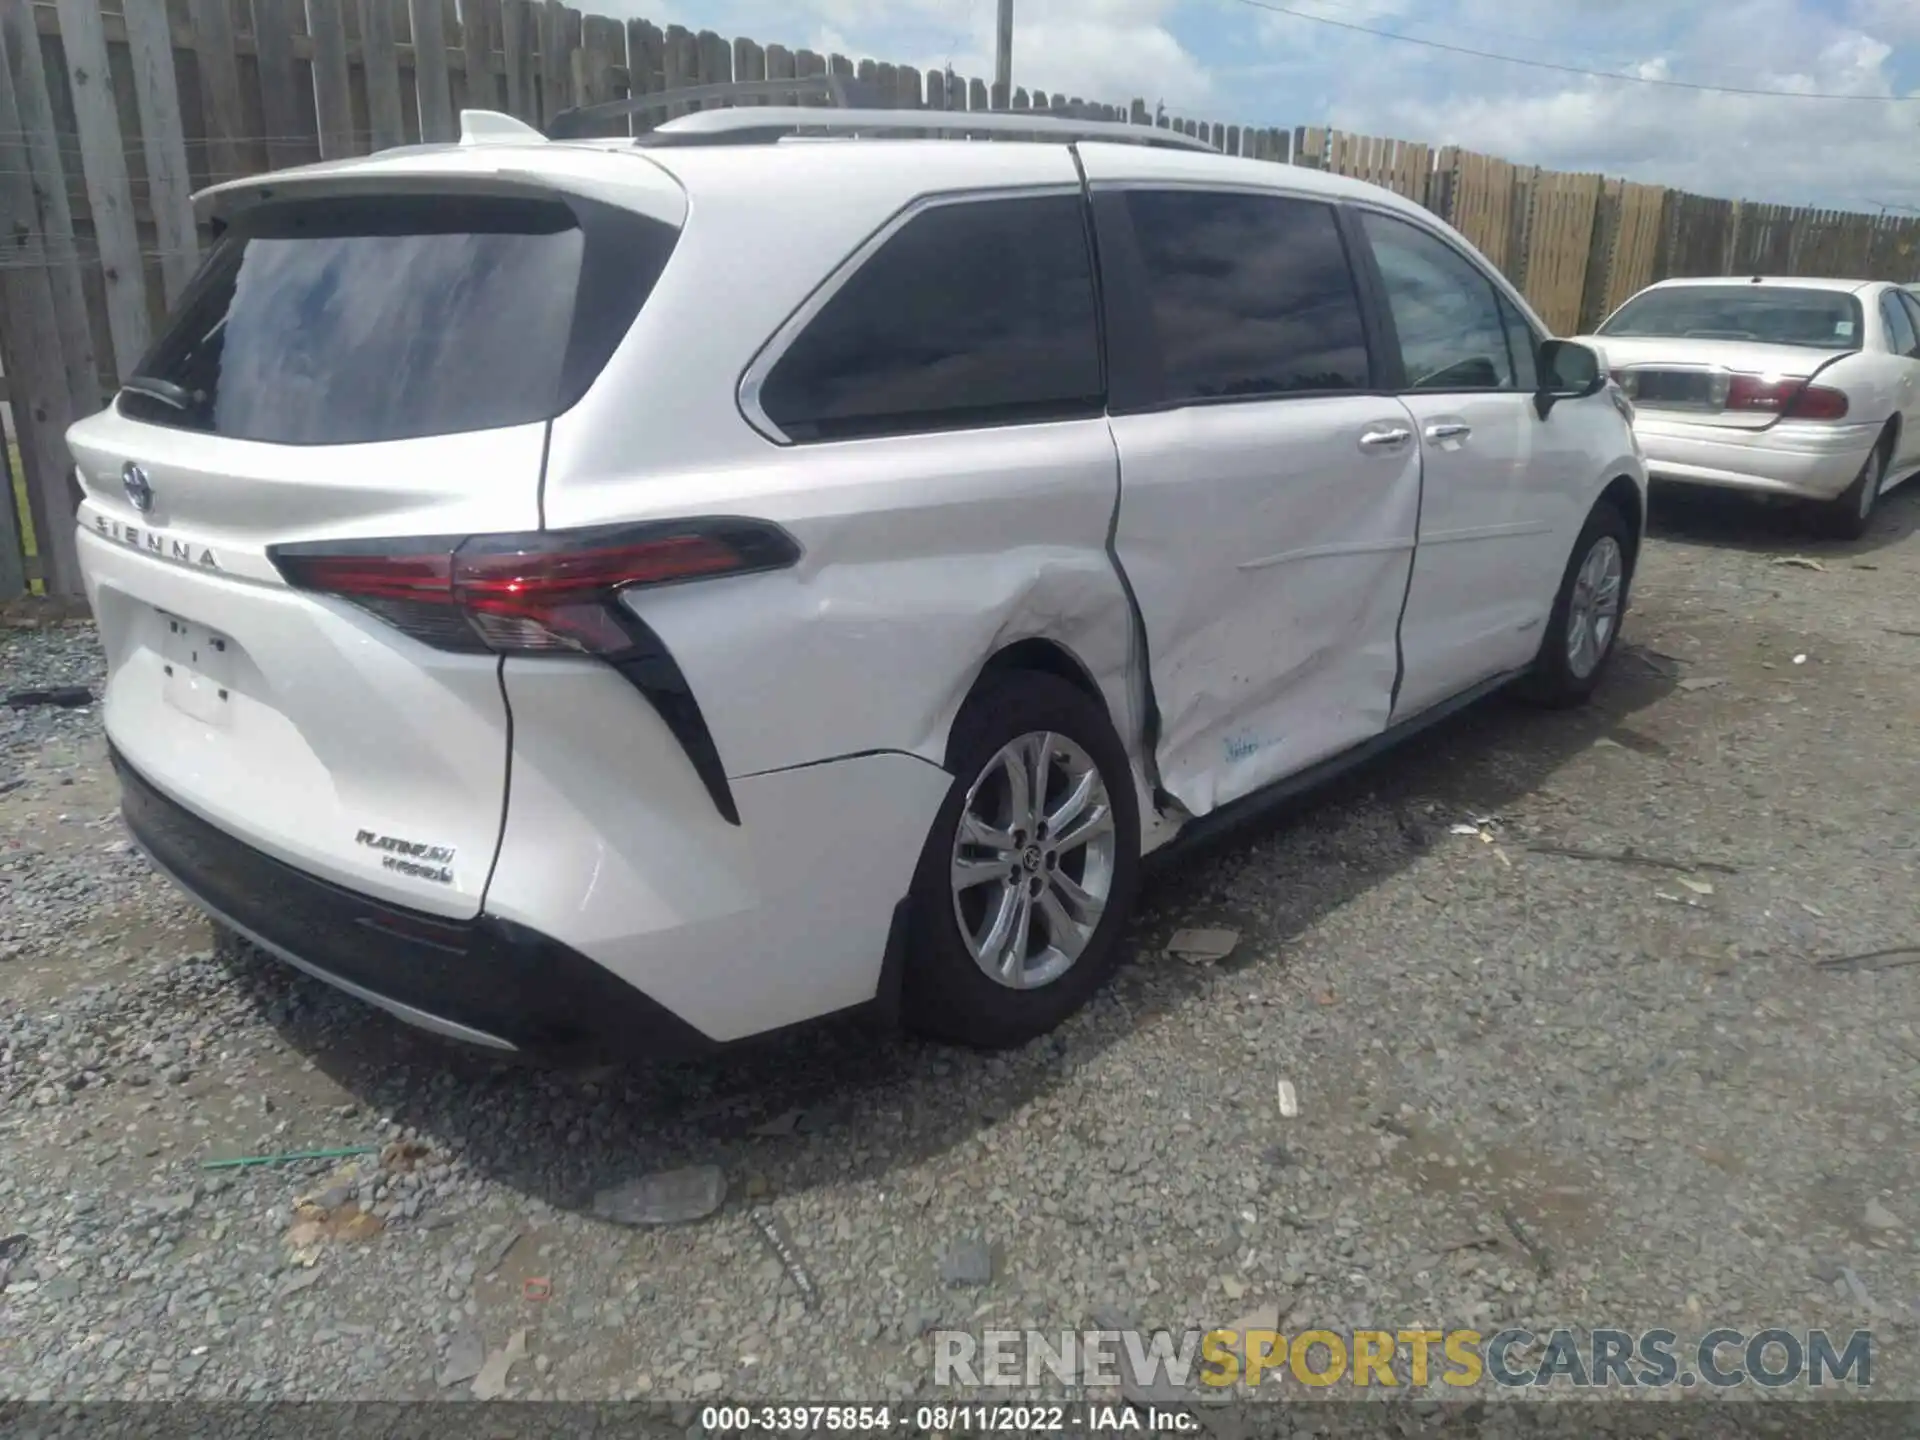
916,165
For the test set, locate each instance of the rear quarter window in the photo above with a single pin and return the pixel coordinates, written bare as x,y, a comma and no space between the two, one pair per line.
390,318
972,313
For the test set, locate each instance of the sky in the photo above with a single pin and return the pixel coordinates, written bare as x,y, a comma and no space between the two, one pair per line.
1234,61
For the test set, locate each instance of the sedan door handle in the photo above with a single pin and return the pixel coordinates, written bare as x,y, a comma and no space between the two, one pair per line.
1386,437
1449,430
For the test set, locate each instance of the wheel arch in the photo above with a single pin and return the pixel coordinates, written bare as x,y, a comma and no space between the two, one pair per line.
1626,497
1047,656
1042,655
1890,434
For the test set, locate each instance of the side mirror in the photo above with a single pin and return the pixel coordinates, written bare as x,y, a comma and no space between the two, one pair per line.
1568,371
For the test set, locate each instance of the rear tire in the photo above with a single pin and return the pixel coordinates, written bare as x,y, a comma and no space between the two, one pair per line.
1584,627
1003,942
1849,515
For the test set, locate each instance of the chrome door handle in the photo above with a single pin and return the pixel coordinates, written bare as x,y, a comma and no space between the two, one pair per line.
1381,439
1449,430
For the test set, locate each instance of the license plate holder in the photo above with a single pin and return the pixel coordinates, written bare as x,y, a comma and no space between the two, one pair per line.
1676,389
197,670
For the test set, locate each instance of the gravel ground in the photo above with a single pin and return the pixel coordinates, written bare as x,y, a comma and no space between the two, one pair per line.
1534,1088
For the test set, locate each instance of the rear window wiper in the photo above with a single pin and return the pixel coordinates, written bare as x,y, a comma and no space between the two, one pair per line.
165,391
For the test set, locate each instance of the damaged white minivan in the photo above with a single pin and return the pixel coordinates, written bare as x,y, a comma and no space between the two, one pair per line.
638,594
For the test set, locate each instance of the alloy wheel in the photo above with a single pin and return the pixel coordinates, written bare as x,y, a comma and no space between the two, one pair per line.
1593,612
1033,860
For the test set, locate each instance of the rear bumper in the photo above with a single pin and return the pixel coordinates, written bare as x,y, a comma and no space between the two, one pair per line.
1805,461
486,981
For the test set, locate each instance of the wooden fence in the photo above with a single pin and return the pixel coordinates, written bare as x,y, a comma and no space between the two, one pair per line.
113,112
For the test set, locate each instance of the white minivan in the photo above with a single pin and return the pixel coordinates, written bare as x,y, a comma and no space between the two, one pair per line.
637,594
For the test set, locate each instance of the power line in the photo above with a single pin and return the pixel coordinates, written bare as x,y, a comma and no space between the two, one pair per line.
1380,11
1267,5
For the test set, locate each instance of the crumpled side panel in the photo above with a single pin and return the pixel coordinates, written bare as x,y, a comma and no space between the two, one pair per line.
1269,552
922,557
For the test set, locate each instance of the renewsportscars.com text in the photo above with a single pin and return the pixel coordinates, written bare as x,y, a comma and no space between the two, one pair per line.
1162,1365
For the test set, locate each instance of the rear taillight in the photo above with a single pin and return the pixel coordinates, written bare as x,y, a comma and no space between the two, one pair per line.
543,592
1784,396
1818,402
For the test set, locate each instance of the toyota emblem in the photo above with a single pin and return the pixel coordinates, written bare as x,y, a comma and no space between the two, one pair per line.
139,489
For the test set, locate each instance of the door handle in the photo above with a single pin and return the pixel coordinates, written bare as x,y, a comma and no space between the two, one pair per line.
1386,437
1449,430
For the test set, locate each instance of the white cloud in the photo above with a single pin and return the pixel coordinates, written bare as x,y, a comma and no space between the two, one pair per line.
1754,147
1225,60
1111,50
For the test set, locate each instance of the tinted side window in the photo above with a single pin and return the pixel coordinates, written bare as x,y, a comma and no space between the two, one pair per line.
1523,348
1452,335
977,313
1250,294
1913,309
1900,334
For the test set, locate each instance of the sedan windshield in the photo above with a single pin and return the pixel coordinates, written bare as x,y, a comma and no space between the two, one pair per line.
1770,314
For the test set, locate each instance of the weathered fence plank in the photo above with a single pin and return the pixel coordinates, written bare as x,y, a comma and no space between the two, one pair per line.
646,73
432,88
77,356
109,191
380,62
556,75
218,70
517,55
42,404
332,83
479,23
279,113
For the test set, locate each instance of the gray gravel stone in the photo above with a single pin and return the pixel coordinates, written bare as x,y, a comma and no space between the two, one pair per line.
1696,1124
971,1262
672,1197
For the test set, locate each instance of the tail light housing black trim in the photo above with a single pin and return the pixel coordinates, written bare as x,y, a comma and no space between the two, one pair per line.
550,592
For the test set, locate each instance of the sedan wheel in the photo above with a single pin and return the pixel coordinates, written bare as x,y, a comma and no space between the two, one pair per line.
1850,514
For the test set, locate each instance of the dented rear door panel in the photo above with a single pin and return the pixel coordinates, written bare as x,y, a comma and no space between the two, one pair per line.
1268,549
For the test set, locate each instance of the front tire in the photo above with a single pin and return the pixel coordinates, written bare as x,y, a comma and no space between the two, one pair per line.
1029,875
1587,613
1849,515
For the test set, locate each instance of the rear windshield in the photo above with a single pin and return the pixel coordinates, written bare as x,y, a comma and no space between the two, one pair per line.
391,318
1772,314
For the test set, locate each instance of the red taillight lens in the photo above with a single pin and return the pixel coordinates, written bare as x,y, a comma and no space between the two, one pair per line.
381,577
533,593
1758,392
1789,395
1817,402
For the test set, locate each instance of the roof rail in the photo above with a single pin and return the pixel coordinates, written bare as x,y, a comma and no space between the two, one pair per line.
758,125
574,123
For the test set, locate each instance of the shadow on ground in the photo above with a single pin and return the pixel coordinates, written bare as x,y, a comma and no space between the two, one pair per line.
1729,520
873,1104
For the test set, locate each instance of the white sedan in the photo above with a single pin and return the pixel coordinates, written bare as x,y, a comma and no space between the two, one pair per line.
1808,389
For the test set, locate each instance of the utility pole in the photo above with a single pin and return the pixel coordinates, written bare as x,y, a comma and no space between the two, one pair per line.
1003,55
